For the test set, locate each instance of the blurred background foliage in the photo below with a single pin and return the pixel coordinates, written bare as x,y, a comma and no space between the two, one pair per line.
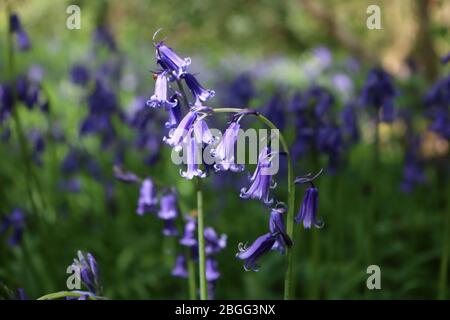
275,42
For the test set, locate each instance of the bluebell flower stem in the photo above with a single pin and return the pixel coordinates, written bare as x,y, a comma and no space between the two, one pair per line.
288,280
201,242
443,272
63,294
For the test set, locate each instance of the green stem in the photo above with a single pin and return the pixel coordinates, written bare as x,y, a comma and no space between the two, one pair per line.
443,272
288,281
63,294
191,275
201,242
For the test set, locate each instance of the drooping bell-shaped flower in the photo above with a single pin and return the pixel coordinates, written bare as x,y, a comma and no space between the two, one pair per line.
174,111
202,133
214,243
170,61
250,255
15,26
212,270
159,98
224,153
170,229
177,135
180,268
88,269
147,197
193,158
168,206
261,180
199,93
189,238
278,229
310,203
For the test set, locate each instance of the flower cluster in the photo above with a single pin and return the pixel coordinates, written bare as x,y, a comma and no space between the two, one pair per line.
16,28
437,103
88,271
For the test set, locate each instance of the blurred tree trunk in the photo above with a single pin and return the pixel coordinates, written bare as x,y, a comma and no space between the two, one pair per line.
423,50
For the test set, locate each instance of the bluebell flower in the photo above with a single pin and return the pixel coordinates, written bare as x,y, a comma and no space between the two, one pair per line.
168,207
6,101
170,61
72,161
89,274
38,143
174,111
79,75
103,36
250,255
274,110
240,91
278,229
159,98
310,203
189,238
413,170
445,59
212,270
350,122
15,26
437,101
200,94
202,133
14,23
194,159
379,92
180,268
16,222
213,243
170,229
70,185
178,135
147,198
224,152
261,179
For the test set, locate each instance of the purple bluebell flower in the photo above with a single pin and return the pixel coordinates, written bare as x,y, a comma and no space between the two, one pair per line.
15,26
170,61
16,222
413,170
224,152
202,133
21,295
379,92
88,269
170,229
178,135
174,111
189,238
194,159
343,83
350,122
14,23
323,54
72,161
103,36
445,59
159,98
79,75
250,255
147,197
70,185
214,243
38,143
278,229
6,101
274,110
309,206
261,180
125,176
240,91
212,271
437,101
180,269
168,206
200,94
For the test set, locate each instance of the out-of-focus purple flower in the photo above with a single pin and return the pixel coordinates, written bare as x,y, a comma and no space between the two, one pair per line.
343,83
79,75
445,59
224,152
71,185
379,92
240,91
147,198
168,207
350,122
278,229
15,26
194,159
88,269
413,170
21,295
180,268
159,98
170,61
28,92
170,229
199,93
212,270
323,54
274,110
103,36
72,161
261,180
16,222
214,243
6,101
189,239
125,176
38,143
437,103
250,255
